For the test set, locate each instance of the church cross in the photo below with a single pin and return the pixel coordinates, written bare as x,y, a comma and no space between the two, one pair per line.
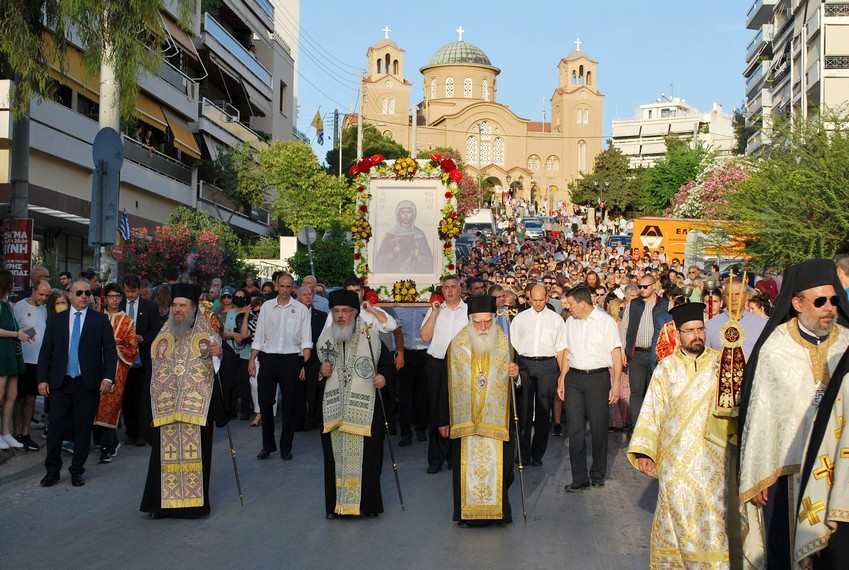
827,470
578,43
460,31
328,352
809,511
838,431
386,31
170,452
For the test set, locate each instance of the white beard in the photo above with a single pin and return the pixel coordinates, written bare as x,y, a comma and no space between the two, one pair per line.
483,341
342,333
181,328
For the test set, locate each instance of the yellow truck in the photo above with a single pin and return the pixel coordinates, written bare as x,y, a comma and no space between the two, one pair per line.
691,241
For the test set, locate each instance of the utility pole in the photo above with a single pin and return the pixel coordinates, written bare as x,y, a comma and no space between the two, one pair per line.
360,120
337,134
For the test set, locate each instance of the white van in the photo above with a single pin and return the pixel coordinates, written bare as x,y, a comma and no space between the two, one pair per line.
480,221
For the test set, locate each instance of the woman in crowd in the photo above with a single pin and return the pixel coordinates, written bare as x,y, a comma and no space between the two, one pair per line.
11,360
620,413
232,333
57,302
163,302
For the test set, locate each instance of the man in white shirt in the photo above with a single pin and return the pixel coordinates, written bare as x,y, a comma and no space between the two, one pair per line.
282,342
593,347
538,336
441,323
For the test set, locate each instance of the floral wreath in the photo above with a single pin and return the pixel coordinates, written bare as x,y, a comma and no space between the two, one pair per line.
406,168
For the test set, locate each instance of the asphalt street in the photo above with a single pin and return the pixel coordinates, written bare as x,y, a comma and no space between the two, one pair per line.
282,523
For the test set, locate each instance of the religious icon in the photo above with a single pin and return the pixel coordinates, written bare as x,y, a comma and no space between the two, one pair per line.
404,248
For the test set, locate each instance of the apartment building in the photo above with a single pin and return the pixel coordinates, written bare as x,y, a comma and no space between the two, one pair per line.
225,80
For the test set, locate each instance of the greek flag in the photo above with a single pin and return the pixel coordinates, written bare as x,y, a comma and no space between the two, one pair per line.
318,124
124,226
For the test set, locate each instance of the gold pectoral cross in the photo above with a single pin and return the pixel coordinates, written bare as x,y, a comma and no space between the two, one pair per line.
809,511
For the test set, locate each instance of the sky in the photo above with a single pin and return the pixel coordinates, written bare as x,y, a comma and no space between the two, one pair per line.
686,48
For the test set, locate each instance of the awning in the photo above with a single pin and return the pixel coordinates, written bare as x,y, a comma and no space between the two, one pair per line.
179,36
77,73
626,130
655,129
149,110
213,147
183,137
685,127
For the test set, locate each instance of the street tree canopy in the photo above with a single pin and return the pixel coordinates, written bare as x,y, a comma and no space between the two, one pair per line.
374,142
680,165
623,190
236,173
305,194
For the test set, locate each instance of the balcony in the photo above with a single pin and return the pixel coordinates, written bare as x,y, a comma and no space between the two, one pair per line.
756,105
836,11
212,200
760,13
152,159
237,57
761,40
754,142
754,82
221,120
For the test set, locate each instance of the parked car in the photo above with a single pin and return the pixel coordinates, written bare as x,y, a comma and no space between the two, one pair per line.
533,228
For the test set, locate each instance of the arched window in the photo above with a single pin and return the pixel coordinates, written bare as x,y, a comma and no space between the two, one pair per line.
395,67
387,63
486,130
392,106
533,163
449,87
557,118
574,77
484,90
433,88
467,87
380,66
582,155
586,116
579,117
498,151
387,134
486,153
384,106
552,165
589,78
581,75
472,150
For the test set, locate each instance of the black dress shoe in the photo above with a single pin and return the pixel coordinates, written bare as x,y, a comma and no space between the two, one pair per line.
557,431
536,463
77,480
50,479
462,524
265,453
286,455
331,516
597,483
576,487
431,469
372,515
157,516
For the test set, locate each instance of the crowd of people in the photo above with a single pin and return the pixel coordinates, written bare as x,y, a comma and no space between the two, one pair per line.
561,336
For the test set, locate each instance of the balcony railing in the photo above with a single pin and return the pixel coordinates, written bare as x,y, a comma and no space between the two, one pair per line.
177,79
151,158
213,195
836,10
266,7
240,52
227,117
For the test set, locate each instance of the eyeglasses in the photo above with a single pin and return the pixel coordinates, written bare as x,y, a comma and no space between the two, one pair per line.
645,286
226,296
511,281
819,302
87,293
700,330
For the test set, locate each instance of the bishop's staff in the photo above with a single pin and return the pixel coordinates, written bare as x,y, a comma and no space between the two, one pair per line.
367,331
506,313
230,437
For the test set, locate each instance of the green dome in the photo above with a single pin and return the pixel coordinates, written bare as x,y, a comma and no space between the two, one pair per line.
459,52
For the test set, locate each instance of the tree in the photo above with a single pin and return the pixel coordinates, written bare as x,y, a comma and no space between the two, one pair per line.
374,142
742,132
471,193
305,194
611,166
711,193
236,173
793,206
680,165
332,255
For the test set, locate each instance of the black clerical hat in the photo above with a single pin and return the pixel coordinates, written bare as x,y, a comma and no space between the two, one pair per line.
345,298
189,291
812,273
687,312
481,304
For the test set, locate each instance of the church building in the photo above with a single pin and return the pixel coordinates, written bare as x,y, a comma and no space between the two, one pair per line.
459,109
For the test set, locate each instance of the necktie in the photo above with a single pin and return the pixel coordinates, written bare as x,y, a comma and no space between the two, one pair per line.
132,306
74,353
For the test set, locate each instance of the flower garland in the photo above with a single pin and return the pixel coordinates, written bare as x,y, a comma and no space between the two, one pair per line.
406,168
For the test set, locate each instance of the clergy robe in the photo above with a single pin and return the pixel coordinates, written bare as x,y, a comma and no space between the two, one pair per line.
475,397
689,527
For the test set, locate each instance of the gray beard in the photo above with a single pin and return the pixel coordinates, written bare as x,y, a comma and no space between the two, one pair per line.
485,341
342,333
181,328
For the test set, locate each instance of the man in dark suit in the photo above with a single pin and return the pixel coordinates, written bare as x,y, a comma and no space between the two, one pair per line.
311,366
136,406
76,364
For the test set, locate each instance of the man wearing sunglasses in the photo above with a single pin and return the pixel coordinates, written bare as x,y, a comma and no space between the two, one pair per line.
783,384
77,363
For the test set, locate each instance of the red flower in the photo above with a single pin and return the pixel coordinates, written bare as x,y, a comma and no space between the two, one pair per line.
436,157
353,170
446,245
361,188
376,159
450,267
357,256
448,195
436,298
364,166
363,208
456,175
363,280
448,165
372,297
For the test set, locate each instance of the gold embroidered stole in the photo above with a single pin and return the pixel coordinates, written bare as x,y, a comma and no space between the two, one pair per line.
479,404
817,353
348,409
181,392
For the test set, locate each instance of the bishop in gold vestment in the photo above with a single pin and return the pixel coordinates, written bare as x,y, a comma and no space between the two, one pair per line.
671,443
475,411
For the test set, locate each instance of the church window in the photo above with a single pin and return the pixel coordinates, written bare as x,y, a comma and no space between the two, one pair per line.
498,151
574,77
586,116
387,134
582,155
579,117
533,163
557,118
433,89
392,106
380,66
449,87
581,75
384,106
467,87
486,130
589,78
486,153
484,90
475,129
387,63
395,67
472,150
552,165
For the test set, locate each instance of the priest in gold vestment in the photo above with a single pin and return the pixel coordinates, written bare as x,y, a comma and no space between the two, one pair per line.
475,411
672,442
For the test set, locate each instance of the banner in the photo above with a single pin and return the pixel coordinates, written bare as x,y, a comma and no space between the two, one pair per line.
17,253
